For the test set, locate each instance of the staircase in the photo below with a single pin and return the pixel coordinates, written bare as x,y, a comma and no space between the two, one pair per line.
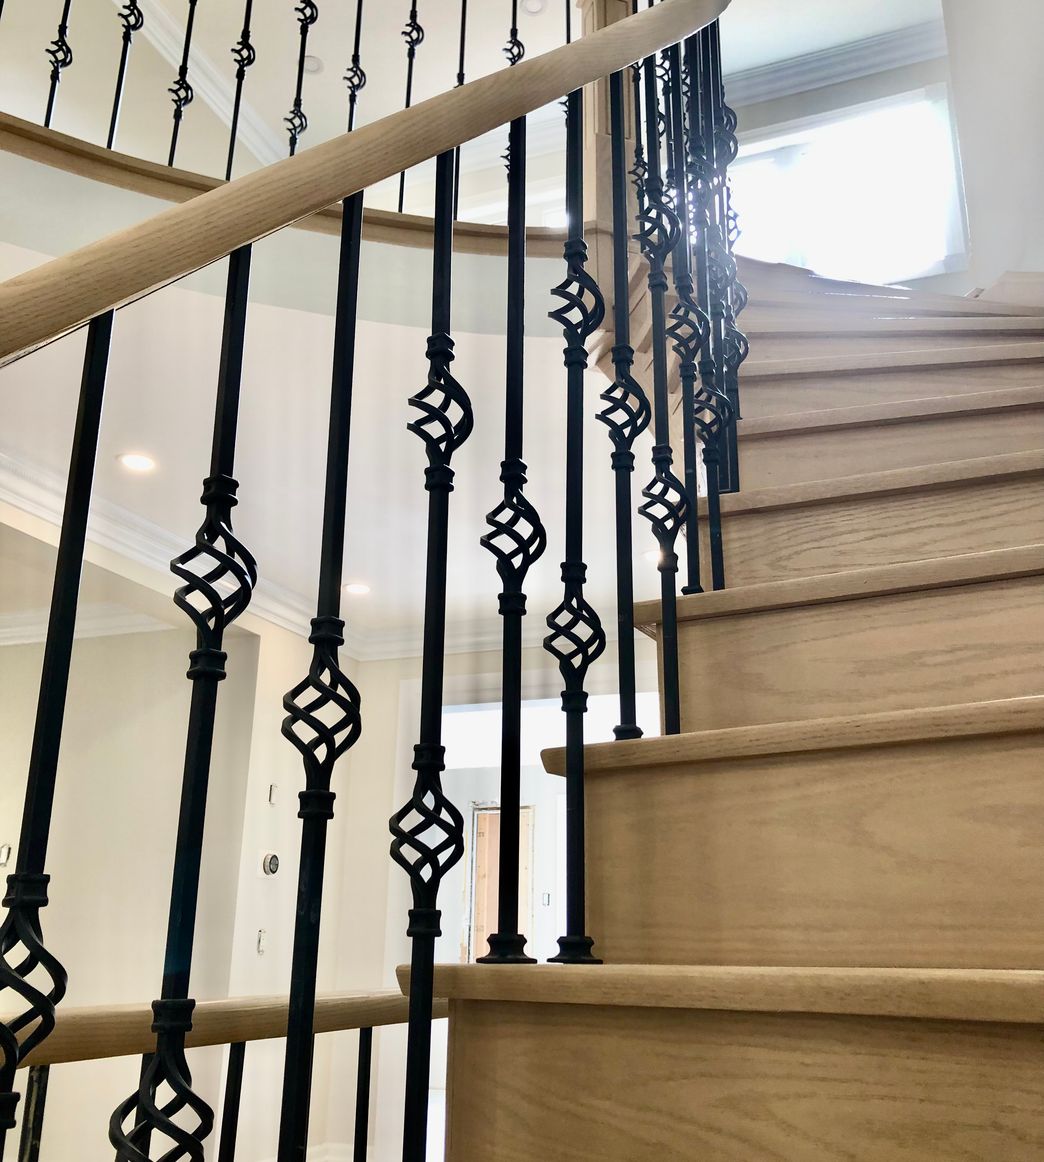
820,905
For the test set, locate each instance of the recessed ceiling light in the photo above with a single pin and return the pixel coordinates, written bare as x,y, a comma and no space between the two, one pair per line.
534,7
136,461
357,588
313,64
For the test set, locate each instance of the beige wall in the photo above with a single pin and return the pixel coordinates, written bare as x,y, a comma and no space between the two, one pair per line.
112,842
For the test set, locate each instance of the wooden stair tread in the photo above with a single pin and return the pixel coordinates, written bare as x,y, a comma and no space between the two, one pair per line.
1011,466
982,995
879,581
894,412
845,732
804,326
836,364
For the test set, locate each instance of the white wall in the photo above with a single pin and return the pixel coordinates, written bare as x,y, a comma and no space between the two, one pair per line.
112,842
998,95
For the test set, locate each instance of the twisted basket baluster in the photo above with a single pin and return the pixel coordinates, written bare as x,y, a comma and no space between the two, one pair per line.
323,711
132,18
447,418
216,561
627,412
139,1121
518,539
30,973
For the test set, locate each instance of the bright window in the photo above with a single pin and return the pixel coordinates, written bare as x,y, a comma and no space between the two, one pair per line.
869,194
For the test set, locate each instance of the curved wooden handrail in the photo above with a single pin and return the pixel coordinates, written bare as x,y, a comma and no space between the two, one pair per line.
58,296
96,163
90,1034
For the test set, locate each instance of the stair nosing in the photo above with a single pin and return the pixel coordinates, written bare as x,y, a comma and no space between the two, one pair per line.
853,585
933,407
927,357
1008,716
888,482
1010,996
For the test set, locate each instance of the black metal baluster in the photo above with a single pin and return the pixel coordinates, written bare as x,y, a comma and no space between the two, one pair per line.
627,414
133,20
219,576
323,710
736,347
413,34
576,639
517,541
34,977
362,1095
295,121
689,329
244,55
233,1099
429,830
666,504
460,81
181,91
60,54
355,77
712,411
35,1107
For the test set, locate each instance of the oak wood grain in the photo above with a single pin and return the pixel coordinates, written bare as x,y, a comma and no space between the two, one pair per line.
62,294
574,1083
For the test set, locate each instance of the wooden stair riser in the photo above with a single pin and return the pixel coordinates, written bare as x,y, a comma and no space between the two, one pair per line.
575,1083
863,531
901,651
788,457
784,394
922,854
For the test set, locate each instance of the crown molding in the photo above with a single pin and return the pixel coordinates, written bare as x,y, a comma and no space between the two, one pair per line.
167,36
41,493
93,619
846,62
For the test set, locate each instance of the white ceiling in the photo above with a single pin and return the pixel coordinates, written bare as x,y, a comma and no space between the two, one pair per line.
760,32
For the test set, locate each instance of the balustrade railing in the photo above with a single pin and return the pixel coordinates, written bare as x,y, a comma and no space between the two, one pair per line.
671,132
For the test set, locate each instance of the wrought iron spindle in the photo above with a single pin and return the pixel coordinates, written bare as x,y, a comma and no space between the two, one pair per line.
355,76
295,121
666,503
627,414
244,54
233,1100
689,328
362,1095
323,711
35,1108
428,829
712,413
30,976
737,347
517,541
461,54
133,20
576,639
181,92
218,576
413,34
60,54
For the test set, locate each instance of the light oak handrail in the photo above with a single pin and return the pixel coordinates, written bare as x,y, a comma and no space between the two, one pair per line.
90,1034
60,295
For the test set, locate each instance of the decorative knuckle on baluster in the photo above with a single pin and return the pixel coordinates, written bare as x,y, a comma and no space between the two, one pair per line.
428,830
577,638
518,538
355,78
307,13
447,418
627,412
182,94
132,17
